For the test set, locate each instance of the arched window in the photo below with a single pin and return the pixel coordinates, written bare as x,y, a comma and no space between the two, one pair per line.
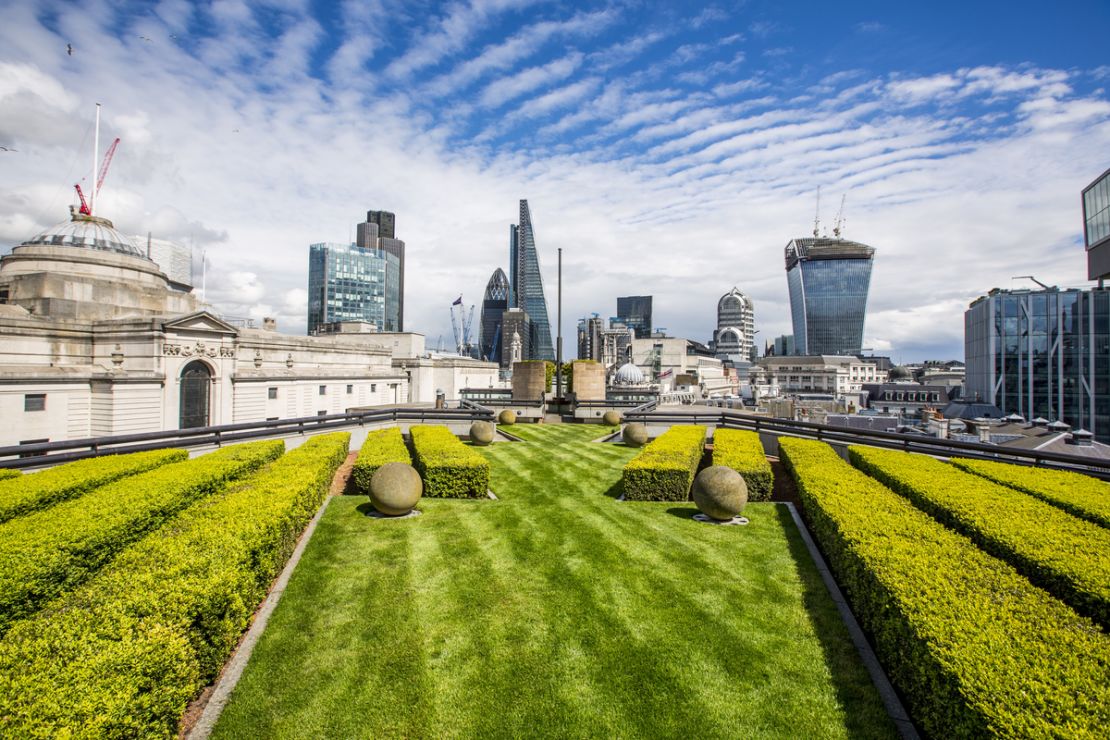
196,379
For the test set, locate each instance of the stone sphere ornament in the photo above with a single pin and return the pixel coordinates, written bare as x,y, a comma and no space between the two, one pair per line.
720,492
507,417
481,433
635,434
395,488
612,418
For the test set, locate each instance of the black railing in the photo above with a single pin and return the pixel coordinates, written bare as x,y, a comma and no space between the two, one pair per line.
893,440
50,453
608,404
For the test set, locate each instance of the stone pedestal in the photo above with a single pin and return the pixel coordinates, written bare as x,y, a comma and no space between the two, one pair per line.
589,381
529,381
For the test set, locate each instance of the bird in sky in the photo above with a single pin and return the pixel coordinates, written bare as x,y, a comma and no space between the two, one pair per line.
144,38
69,49
6,149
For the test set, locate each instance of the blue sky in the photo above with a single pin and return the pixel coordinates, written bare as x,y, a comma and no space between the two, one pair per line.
669,150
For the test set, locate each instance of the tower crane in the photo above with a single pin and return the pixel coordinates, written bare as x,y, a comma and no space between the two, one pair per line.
85,209
461,324
839,217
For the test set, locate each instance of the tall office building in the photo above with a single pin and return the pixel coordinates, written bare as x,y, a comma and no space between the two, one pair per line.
828,280
1096,227
359,282
589,338
634,311
379,231
494,303
1042,353
526,286
734,337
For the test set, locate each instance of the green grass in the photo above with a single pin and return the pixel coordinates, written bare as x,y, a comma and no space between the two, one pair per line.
554,611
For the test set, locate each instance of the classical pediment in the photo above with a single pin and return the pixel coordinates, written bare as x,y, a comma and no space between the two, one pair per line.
200,322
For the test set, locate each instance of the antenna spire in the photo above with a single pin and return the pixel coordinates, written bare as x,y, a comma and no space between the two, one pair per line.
96,158
817,213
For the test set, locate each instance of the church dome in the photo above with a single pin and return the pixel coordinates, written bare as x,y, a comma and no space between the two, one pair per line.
87,232
628,374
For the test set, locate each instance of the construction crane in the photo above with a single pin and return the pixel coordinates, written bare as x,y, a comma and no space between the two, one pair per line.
461,325
86,210
839,217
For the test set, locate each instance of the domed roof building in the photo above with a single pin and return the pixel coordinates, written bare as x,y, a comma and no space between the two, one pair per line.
89,232
628,374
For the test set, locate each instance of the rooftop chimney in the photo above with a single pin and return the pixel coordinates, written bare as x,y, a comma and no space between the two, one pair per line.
1080,438
269,323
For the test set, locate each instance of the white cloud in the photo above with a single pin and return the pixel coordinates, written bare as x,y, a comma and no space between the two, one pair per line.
501,91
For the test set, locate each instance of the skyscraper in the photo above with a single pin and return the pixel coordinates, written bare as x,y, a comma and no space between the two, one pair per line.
526,286
828,280
379,231
494,304
735,334
634,311
359,282
1096,227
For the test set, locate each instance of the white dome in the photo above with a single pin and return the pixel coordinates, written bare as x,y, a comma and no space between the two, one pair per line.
89,232
628,374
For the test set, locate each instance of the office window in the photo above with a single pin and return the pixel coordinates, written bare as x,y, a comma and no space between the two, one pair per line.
321,413
34,402
350,388
272,393
373,387
323,390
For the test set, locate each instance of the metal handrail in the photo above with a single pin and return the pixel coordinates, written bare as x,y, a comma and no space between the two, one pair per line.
875,438
77,449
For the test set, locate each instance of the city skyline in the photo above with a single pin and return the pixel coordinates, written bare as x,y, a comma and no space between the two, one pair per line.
962,146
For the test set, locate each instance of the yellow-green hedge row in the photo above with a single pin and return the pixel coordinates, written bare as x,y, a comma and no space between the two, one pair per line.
974,648
449,468
40,490
665,468
743,452
6,473
381,446
1085,497
122,655
1067,556
49,552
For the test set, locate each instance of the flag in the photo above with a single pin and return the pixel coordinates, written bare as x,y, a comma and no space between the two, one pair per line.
666,374
458,301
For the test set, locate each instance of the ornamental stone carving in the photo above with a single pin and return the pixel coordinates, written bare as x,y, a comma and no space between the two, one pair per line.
200,349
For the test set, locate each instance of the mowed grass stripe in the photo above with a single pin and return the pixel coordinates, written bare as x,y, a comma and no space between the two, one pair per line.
555,611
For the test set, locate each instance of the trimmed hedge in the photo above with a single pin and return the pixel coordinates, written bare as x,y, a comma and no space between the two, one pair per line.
381,446
123,654
665,468
743,452
974,648
49,552
6,473
40,490
1065,555
1085,497
449,468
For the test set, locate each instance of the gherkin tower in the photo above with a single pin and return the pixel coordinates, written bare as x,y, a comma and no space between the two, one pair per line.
527,284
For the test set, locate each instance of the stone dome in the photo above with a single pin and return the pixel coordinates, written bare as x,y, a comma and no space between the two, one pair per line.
628,374
87,232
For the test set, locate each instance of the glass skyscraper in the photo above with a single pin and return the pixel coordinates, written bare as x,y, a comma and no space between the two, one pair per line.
1096,226
1042,353
828,281
634,311
347,282
494,303
526,286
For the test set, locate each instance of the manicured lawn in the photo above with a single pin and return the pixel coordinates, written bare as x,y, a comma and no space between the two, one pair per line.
554,611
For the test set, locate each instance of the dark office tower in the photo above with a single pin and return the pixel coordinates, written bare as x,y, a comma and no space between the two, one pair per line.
494,304
1096,227
379,232
527,286
634,311
828,280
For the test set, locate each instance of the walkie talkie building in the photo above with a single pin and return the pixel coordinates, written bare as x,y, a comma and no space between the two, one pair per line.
828,280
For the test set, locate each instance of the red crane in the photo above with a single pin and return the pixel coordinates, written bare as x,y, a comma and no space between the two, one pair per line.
85,210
